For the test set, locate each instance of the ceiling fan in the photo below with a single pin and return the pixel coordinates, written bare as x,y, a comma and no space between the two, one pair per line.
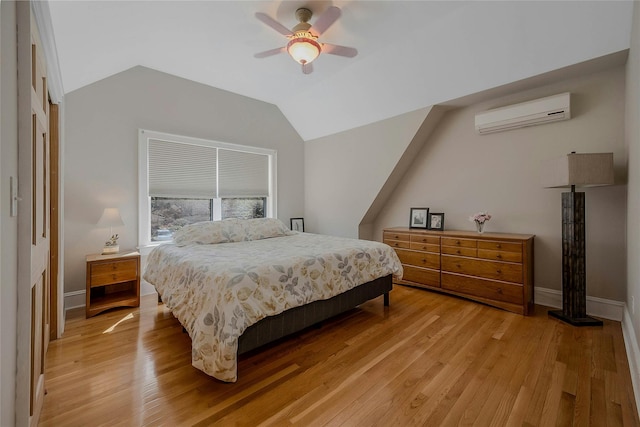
303,44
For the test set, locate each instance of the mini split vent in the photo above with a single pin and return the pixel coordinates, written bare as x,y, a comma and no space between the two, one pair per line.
540,111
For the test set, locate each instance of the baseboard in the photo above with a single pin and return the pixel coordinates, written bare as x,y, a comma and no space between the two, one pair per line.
75,299
598,307
633,354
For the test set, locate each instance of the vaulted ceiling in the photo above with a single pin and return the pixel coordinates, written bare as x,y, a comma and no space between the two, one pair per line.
411,54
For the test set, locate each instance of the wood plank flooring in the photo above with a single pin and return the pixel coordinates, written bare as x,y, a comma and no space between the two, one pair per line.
428,359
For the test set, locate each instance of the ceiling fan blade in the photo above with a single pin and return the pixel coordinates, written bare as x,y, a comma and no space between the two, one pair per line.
273,24
325,21
307,68
335,49
269,52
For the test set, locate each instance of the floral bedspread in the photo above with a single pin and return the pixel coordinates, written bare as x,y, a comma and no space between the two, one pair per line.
218,290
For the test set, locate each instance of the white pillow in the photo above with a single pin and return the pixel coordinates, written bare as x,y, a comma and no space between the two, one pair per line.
264,228
209,232
230,230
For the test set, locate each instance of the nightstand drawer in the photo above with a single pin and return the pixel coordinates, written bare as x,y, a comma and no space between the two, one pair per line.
113,272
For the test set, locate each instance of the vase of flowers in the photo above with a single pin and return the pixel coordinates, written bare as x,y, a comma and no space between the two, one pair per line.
480,218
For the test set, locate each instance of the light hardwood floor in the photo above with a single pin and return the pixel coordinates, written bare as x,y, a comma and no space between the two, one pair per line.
428,359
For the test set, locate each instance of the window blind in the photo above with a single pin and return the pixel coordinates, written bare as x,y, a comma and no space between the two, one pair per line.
181,170
242,174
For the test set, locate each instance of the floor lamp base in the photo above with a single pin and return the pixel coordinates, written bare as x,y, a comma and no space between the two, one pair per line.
575,321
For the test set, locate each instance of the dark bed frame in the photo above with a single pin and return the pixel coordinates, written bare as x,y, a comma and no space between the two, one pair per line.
296,319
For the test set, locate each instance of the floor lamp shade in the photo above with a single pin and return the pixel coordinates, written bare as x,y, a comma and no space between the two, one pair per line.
576,170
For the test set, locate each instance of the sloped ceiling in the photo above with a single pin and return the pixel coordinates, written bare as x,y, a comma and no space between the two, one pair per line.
411,54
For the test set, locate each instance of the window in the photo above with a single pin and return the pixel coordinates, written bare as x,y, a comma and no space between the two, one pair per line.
185,180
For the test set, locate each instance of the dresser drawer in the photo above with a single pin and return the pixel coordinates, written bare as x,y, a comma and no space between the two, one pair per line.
453,250
419,259
493,290
495,245
417,238
459,243
389,235
509,272
421,276
425,247
113,272
397,243
500,255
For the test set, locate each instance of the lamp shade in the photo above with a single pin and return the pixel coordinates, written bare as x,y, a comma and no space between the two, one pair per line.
110,218
579,169
303,49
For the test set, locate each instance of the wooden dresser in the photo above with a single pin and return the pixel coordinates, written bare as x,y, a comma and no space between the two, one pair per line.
493,268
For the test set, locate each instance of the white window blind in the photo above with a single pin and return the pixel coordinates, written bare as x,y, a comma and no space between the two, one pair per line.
181,170
242,174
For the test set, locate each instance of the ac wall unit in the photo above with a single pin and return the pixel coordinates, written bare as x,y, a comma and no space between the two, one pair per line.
539,111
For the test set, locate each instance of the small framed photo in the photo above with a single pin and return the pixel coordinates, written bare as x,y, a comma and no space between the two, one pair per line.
418,217
297,224
436,221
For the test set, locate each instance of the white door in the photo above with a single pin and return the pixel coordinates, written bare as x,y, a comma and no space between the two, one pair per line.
33,219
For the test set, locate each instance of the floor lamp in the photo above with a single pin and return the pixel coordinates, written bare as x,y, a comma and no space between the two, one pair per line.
571,171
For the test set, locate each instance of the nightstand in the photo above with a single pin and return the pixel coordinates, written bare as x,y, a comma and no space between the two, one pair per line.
112,281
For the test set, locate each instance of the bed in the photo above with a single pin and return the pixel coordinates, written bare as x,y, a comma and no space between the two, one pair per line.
236,285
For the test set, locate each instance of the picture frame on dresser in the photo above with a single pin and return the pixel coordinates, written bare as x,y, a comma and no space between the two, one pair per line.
418,218
436,221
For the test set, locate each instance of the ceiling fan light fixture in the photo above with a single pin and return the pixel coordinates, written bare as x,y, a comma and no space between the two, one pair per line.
303,50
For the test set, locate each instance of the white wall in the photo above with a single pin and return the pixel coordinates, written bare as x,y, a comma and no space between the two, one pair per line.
344,172
459,172
631,321
102,122
8,224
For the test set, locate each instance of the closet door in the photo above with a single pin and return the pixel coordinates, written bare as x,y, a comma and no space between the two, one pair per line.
33,219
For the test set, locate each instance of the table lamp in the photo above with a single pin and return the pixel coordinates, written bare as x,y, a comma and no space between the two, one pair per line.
111,218
571,171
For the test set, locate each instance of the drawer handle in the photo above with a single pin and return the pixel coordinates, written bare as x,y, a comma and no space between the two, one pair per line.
397,237
499,271
498,245
458,265
458,251
499,256
395,244
457,242
424,261
424,240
